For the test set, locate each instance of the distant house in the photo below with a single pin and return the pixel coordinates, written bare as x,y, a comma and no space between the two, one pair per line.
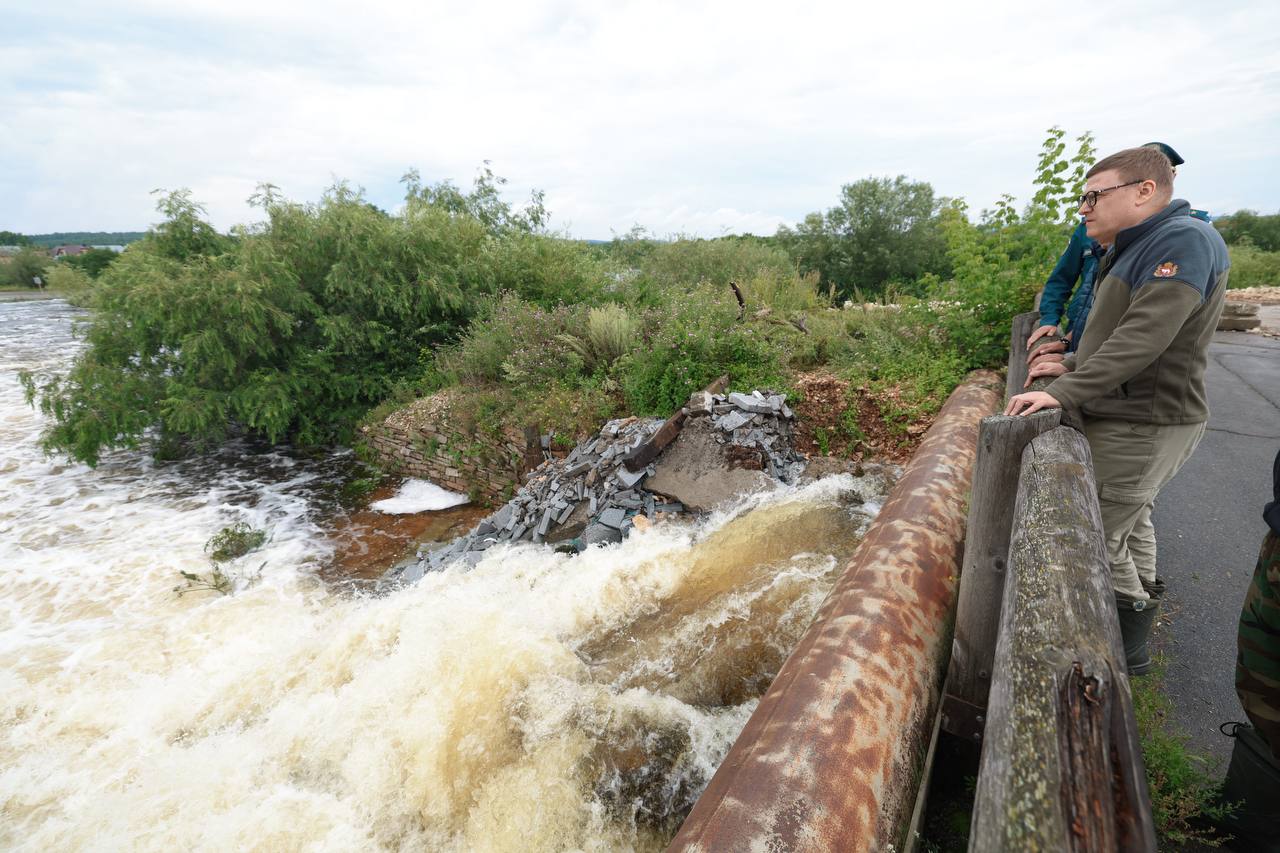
115,247
68,251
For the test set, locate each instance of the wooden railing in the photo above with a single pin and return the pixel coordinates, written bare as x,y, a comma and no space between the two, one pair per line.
1037,673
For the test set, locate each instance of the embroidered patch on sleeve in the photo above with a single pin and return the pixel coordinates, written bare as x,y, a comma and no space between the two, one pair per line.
1167,270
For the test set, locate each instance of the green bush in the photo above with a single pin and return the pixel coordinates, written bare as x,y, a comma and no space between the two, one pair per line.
782,292
686,262
92,262
906,350
1252,267
72,282
690,340
22,269
610,334
291,329
545,270
517,342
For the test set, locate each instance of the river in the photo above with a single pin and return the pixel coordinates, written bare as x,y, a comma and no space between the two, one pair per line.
540,701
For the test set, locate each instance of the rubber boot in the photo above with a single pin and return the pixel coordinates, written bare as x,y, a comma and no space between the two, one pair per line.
1252,786
1155,589
1136,620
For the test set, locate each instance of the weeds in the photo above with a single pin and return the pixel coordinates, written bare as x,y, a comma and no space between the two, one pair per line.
1183,793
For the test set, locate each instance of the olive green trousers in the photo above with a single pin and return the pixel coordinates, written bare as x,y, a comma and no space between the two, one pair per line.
1131,463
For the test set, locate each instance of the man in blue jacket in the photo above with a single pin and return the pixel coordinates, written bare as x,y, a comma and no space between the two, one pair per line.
1079,263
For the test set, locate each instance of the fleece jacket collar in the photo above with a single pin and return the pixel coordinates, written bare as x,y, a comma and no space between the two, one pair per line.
1130,235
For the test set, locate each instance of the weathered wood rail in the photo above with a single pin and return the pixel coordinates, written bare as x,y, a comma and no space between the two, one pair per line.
1037,672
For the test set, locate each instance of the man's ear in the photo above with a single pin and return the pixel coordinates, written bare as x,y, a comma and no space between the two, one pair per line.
1146,191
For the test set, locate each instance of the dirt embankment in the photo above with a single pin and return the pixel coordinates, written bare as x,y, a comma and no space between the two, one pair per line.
843,421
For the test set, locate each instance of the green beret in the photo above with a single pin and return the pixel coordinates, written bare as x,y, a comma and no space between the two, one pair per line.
1174,159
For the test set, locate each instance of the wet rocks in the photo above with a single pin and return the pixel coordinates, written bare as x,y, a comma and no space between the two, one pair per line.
717,448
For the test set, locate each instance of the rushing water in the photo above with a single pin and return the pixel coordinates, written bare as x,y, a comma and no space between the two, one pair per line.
538,702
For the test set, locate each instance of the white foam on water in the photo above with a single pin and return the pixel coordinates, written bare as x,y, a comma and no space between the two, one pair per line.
418,496
537,702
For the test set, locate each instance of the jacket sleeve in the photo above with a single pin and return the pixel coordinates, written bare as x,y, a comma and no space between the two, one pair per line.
1153,319
1058,287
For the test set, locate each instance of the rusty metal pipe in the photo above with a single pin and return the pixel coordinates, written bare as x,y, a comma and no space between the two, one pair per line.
831,759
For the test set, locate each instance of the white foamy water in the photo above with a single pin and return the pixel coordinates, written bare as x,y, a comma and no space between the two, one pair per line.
418,496
537,702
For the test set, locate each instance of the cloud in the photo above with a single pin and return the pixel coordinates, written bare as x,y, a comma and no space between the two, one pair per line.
688,116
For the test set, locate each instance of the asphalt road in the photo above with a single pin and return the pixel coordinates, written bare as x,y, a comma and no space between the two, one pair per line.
1209,528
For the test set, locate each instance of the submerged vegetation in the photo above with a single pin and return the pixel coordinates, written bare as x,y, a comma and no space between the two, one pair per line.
227,545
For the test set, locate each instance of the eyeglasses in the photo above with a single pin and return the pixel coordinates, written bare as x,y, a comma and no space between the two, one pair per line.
1090,198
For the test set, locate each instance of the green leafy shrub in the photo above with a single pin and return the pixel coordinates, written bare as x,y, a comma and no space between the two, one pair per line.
72,282
545,270
906,351
1252,267
23,268
293,328
517,343
92,262
690,340
687,262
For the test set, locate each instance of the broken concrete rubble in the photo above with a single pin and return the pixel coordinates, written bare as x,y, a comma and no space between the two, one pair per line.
714,450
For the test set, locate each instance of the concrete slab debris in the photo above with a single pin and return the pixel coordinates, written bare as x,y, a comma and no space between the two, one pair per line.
590,496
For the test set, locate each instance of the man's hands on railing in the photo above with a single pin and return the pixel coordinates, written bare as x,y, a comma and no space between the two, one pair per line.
1045,367
1046,362
1046,359
1039,333
1029,402
1049,350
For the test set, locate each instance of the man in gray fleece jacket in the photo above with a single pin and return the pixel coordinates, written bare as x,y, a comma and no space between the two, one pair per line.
1138,376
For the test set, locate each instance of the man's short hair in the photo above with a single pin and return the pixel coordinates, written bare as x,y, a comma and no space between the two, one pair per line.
1138,164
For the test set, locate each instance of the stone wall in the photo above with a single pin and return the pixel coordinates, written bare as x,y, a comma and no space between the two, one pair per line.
428,440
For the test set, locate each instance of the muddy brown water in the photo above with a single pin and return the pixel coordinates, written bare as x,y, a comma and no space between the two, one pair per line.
540,701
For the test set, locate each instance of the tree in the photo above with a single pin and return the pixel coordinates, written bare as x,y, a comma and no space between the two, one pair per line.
293,328
1244,226
883,230
92,262
13,238
999,263
183,233
24,267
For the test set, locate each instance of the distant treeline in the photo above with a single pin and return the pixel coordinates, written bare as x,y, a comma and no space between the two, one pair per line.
1248,226
77,238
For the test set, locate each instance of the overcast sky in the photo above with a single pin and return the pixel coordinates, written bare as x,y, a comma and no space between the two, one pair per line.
701,118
